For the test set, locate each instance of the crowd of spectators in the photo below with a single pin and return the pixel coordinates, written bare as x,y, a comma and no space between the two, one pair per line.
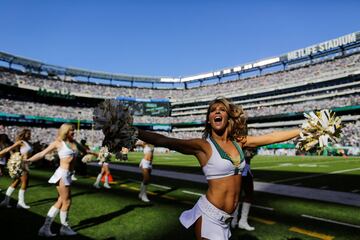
332,69
68,112
297,76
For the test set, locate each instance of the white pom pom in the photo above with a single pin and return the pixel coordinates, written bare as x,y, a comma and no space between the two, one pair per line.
15,165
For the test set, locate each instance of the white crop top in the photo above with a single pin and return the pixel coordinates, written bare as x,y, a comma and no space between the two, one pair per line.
25,148
148,149
65,151
220,164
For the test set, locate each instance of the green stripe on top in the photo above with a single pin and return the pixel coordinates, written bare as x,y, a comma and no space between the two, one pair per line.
224,155
242,157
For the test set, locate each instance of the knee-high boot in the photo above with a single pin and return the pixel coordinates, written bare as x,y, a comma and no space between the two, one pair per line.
45,230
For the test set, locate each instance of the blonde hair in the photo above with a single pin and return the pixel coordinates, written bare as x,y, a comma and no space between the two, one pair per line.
237,127
23,134
63,130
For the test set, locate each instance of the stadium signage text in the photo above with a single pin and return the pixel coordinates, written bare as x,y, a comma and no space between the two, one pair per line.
55,93
325,46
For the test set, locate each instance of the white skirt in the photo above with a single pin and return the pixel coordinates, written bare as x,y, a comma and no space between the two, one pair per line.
215,222
145,164
103,163
63,174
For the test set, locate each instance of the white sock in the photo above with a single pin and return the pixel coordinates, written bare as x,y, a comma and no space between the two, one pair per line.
245,211
9,191
98,179
21,197
53,211
63,218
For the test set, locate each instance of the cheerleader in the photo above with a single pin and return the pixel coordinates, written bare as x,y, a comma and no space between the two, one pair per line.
67,149
105,171
22,179
247,186
4,143
146,167
220,155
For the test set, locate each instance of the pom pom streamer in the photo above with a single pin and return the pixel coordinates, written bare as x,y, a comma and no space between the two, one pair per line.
104,155
15,165
115,121
88,158
320,128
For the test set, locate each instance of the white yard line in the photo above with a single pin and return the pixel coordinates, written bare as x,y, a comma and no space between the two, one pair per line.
314,175
193,193
286,164
347,170
160,186
331,221
262,207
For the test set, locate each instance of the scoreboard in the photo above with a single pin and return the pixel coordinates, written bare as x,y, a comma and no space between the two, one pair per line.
148,107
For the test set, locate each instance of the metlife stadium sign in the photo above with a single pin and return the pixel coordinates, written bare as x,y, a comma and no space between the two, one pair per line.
325,46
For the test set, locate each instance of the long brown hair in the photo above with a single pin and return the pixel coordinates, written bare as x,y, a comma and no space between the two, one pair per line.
23,134
237,127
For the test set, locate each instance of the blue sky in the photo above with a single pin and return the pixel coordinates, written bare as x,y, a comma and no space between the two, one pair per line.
168,37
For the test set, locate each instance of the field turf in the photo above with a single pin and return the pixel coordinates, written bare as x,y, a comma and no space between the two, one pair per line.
118,214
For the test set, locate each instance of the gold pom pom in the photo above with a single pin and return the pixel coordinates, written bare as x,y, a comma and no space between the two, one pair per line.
88,158
318,129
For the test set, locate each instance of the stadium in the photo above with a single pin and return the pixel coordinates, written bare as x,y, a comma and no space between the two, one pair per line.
275,92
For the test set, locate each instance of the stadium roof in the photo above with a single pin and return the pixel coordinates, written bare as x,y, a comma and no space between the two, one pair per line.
337,44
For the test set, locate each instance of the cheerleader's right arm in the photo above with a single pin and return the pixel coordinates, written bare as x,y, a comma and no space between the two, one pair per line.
10,148
42,154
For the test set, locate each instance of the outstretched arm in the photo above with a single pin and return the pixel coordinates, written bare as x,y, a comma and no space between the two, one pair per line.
42,154
8,149
274,137
84,150
190,146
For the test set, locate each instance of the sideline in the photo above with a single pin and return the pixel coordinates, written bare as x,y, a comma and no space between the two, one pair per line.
352,199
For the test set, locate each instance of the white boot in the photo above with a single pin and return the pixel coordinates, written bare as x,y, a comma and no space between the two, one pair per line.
65,229
243,224
234,221
73,178
106,184
97,182
21,200
45,230
6,201
142,195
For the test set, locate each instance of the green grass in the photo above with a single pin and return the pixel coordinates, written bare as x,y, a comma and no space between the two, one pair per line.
118,214
309,171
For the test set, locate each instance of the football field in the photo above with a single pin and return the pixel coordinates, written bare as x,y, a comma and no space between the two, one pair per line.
118,214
